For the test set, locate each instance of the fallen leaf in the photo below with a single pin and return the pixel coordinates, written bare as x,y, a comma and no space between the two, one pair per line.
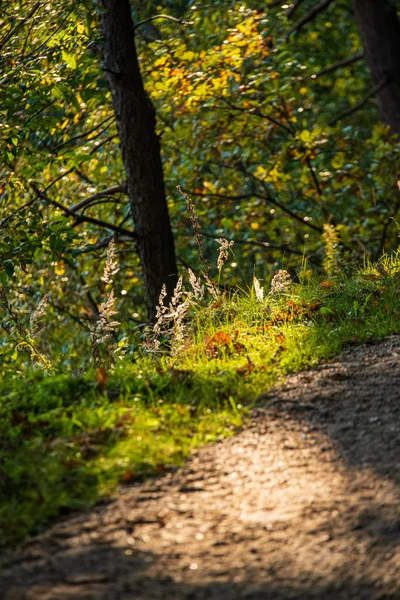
128,476
239,347
246,369
218,342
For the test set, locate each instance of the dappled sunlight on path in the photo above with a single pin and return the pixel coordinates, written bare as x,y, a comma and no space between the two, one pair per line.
304,503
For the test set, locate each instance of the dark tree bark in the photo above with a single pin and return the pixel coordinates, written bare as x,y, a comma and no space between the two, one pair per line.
379,28
140,149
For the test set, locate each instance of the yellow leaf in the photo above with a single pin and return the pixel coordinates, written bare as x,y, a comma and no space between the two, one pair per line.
188,55
305,135
338,160
260,172
60,268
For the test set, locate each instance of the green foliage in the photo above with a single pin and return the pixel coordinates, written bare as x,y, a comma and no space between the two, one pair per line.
249,124
260,131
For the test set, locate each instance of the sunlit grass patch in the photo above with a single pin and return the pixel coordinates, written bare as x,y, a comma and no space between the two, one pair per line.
66,441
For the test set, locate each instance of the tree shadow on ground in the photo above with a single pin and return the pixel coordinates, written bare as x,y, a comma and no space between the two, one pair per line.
106,573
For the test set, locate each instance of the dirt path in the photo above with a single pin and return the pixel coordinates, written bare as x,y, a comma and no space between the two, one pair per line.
303,504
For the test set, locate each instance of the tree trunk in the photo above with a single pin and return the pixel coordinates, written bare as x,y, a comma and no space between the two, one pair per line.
379,28
140,149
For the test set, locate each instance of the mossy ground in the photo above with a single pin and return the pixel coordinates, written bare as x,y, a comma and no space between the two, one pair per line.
65,442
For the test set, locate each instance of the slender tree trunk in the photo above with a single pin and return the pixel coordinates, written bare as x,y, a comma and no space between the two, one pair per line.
379,28
140,149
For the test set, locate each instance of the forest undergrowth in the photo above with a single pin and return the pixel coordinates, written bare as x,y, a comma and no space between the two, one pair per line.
68,440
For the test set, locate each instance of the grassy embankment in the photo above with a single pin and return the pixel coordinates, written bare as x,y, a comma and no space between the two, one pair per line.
65,443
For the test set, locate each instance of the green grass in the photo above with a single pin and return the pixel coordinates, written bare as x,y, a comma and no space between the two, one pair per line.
64,444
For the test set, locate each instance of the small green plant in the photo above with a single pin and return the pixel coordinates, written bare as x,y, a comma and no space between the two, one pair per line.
102,326
25,337
330,238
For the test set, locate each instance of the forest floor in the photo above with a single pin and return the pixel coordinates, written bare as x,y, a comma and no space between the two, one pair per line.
303,503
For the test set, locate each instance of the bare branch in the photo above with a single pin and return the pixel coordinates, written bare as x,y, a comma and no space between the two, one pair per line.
34,54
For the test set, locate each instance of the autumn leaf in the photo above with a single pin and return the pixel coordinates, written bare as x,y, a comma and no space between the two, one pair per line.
246,369
128,476
239,347
220,338
217,343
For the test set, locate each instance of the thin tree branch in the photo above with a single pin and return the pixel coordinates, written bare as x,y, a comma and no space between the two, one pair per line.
83,135
72,169
16,212
340,63
377,88
104,243
288,128
168,17
116,189
11,33
268,198
309,17
35,52
42,109
267,246
80,218
84,323
256,112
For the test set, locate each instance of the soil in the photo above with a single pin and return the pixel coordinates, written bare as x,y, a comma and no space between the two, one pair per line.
303,503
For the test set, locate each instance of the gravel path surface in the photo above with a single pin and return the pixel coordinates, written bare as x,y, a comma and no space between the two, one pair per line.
303,503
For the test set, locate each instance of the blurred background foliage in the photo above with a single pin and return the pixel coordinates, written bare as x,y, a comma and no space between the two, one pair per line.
269,126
